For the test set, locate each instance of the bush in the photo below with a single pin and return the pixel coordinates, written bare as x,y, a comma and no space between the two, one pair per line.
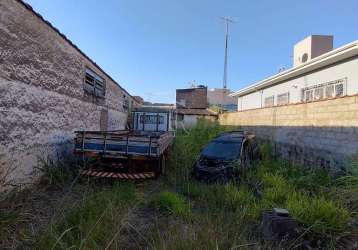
345,191
320,214
172,203
90,224
59,170
242,201
276,189
304,193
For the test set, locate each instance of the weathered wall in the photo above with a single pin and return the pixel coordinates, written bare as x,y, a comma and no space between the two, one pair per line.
323,133
42,100
192,98
190,121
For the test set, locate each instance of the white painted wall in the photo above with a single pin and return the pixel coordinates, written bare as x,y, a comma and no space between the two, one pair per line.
190,121
347,70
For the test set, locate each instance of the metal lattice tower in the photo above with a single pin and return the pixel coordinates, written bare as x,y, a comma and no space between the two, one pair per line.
227,20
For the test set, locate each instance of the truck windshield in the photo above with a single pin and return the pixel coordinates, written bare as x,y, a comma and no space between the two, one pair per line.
222,150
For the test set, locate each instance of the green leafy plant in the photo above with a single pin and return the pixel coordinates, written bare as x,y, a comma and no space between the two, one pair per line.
320,214
172,203
92,221
58,170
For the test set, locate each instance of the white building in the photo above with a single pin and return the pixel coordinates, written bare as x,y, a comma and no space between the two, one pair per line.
318,73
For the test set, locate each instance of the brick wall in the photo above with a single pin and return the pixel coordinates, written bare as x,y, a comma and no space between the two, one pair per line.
42,100
322,134
192,98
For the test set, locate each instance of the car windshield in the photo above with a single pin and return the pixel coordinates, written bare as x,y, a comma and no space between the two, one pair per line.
222,150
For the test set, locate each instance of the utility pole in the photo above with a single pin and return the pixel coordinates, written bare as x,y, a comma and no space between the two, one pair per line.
227,20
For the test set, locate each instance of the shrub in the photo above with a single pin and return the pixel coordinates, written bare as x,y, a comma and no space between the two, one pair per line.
276,189
58,170
320,214
345,191
266,151
90,223
242,201
172,203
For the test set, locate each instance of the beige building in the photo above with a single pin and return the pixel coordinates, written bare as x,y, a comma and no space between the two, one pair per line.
48,89
318,73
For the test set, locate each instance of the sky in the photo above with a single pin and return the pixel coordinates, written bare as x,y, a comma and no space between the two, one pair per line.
152,47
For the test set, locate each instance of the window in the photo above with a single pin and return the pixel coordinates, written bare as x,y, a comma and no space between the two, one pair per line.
269,101
283,99
325,90
94,84
151,119
330,91
318,93
339,89
180,117
308,95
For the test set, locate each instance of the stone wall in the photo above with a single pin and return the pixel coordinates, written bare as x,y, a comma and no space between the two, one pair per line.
42,100
321,134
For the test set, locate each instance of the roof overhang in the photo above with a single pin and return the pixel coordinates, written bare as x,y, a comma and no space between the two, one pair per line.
334,56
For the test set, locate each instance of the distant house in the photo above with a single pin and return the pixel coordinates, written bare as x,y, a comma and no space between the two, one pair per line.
191,105
188,117
220,97
318,73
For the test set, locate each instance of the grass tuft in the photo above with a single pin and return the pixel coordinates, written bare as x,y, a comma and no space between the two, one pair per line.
172,203
90,223
322,215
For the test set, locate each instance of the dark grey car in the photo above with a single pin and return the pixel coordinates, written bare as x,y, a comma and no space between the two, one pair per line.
223,157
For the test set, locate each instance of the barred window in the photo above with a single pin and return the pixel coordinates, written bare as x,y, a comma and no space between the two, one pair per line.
151,119
308,95
269,101
94,84
339,89
330,91
318,93
325,90
283,99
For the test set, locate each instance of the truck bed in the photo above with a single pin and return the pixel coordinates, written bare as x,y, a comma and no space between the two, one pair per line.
122,143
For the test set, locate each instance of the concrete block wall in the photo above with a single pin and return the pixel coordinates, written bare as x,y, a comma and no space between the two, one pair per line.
319,134
42,100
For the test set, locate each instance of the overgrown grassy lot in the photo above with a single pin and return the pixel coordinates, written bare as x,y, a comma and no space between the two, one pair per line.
176,212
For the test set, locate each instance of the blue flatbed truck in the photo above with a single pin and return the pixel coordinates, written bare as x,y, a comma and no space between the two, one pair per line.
126,154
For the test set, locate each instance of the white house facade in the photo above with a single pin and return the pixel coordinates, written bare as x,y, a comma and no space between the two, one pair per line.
319,73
